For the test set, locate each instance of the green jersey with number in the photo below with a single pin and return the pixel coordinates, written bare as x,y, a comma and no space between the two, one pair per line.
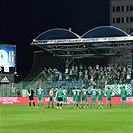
108,93
100,93
74,92
40,92
93,93
60,93
84,92
64,92
78,92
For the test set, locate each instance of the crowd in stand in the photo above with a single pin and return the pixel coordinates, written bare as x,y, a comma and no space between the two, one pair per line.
117,73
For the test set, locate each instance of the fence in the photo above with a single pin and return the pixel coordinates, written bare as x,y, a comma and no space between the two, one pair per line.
21,88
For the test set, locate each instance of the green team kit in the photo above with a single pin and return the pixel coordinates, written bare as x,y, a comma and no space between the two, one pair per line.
74,97
65,97
40,94
123,96
84,95
93,95
84,98
100,94
80,96
108,97
40,97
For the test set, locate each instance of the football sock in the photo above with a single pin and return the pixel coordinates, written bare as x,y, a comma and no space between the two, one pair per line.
90,105
42,104
87,105
33,104
30,104
48,104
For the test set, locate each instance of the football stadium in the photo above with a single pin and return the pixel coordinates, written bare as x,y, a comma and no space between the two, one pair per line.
88,88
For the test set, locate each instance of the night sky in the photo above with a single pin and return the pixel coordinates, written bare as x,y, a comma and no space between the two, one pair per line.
23,20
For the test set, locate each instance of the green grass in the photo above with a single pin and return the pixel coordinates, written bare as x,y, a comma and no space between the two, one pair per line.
22,119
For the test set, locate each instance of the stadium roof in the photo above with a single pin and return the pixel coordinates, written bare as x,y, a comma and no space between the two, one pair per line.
57,33
100,41
104,31
98,32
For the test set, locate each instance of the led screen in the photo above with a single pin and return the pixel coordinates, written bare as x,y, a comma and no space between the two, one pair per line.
7,56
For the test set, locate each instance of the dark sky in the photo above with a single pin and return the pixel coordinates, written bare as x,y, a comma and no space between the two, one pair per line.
23,20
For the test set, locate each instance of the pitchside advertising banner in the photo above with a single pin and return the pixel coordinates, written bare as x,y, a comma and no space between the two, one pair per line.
25,100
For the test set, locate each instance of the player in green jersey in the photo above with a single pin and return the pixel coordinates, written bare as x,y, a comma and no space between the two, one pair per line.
60,97
78,97
84,97
108,97
123,97
93,97
65,97
74,97
51,97
40,96
100,94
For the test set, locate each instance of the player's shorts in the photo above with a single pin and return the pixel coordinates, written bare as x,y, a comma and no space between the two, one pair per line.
40,98
93,100
65,98
51,98
108,98
60,99
74,98
78,99
84,98
31,98
100,98
123,99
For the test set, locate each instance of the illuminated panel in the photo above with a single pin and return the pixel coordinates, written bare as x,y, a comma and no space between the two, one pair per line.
7,56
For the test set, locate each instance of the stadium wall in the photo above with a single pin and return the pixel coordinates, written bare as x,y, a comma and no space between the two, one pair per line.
25,100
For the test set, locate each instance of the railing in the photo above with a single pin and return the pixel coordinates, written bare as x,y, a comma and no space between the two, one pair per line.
35,82
17,89
10,90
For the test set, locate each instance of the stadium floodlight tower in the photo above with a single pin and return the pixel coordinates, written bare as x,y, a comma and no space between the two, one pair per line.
99,42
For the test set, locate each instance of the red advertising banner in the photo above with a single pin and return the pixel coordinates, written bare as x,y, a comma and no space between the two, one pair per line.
24,100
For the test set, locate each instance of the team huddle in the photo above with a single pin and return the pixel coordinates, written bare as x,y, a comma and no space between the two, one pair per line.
79,97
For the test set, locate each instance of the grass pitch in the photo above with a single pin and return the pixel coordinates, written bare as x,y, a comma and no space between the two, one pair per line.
22,119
